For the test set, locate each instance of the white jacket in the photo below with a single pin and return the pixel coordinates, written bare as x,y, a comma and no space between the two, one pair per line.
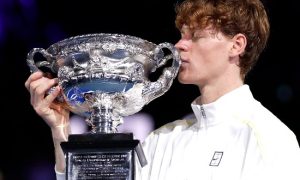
238,139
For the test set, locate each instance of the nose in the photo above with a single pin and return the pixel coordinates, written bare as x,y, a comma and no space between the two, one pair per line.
181,45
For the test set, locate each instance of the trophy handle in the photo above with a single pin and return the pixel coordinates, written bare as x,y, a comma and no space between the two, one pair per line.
34,66
164,82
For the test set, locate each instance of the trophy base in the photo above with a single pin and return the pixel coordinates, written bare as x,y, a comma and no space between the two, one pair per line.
100,156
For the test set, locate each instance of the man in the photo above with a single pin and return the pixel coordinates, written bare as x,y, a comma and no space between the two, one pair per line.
232,135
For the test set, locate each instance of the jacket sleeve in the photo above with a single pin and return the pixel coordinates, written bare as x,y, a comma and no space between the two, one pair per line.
59,175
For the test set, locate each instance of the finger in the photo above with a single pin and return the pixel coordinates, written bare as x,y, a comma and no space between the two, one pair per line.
33,77
42,104
39,88
50,98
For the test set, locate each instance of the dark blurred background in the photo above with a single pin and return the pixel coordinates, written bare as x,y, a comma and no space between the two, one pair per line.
26,144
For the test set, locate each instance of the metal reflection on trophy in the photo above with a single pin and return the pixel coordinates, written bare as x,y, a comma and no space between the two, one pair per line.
105,77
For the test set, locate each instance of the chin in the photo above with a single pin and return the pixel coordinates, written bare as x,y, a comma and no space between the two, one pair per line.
182,80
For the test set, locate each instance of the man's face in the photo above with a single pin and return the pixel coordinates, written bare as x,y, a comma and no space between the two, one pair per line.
204,54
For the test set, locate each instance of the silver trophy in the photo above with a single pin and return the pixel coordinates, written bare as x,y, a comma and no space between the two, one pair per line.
105,77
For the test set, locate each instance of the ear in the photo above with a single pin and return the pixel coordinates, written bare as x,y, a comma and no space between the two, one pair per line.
239,42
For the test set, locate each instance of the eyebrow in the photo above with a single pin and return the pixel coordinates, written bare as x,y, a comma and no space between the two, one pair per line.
184,29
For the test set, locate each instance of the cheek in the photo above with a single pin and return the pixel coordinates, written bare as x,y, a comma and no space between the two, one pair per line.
215,52
209,60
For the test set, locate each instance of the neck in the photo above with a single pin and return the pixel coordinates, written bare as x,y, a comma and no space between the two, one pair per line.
210,93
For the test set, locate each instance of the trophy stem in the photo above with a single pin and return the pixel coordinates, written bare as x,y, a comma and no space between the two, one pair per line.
101,120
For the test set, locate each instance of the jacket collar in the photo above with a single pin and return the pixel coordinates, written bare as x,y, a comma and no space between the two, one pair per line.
228,105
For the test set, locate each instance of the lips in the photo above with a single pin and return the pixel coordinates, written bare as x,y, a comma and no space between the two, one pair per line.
184,61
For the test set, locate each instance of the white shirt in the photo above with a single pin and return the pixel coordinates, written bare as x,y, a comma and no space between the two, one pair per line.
238,139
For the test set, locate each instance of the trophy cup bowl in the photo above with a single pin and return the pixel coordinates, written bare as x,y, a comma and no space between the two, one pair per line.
103,78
